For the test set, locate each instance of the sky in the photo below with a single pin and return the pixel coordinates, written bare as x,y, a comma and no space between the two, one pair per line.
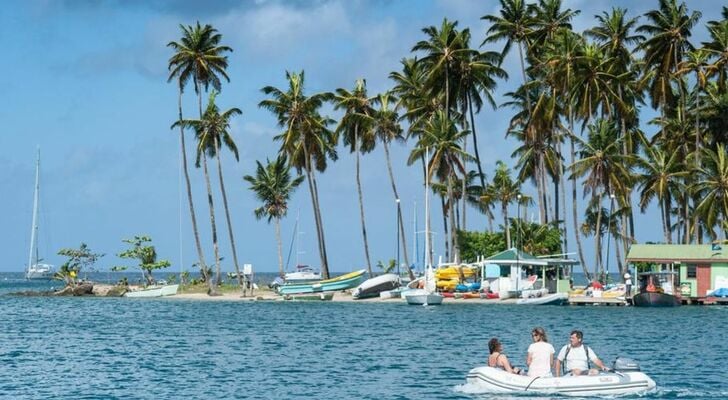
85,82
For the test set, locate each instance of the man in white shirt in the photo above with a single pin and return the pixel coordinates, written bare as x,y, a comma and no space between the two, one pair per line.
576,357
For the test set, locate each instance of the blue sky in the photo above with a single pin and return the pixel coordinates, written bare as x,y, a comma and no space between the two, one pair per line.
86,81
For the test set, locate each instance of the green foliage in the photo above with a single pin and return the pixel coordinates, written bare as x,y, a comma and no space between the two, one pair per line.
480,244
388,267
146,254
78,260
532,238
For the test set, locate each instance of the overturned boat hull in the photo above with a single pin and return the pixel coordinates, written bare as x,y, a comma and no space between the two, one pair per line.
374,286
493,380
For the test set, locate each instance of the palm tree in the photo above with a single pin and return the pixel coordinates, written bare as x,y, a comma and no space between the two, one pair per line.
696,62
385,123
442,138
198,56
717,48
356,128
505,190
214,128
712,187
273,186
548,20
669,29
514,24
605,170
442,50
306,139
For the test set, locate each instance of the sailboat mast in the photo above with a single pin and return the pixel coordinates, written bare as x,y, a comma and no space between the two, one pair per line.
428,261
34,227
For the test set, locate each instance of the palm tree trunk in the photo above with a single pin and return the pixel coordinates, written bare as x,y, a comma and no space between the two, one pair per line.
575,214
281,273
506,224
525,79
562,187
399,210
216,281
445,236
314,204
453,231
668,222
599,268
320,219
227,216
195,231
361,201
475,143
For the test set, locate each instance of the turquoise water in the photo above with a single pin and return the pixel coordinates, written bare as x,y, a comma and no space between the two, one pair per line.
98,348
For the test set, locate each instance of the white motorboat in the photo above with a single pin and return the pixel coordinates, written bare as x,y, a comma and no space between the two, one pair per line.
374,286
303,273
36,269
153,291
545,299
627,380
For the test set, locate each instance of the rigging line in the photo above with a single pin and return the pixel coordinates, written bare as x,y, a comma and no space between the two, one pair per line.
530,383
179,198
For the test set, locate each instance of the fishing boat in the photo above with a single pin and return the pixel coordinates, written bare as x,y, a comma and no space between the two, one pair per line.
374,286
657,289
36,269
153,291
323,296
625,378
426,294
343,282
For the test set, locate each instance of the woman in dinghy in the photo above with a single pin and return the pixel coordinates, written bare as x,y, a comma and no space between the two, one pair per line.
497,359
540,358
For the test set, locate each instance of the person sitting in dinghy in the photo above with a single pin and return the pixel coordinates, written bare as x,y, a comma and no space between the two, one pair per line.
575,357
540,357
497,359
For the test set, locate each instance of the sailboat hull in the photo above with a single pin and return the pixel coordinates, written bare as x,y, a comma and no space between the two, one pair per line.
419,297
39,272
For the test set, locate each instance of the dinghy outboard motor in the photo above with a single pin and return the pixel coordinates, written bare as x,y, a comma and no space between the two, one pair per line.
622,364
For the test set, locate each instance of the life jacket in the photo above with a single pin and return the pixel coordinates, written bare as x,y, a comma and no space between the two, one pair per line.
566,354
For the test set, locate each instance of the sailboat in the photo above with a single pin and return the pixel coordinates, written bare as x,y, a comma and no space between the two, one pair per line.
427,294
36,269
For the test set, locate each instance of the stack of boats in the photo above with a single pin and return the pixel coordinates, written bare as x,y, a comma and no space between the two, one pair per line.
304,288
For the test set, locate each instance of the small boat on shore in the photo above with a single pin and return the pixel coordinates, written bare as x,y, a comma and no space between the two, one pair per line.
310,296
626,380
374,286
153,291
343,282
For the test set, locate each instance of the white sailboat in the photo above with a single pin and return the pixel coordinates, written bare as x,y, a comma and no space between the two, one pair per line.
36,269
426,295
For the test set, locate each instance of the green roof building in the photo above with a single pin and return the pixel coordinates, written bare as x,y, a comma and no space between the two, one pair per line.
702,267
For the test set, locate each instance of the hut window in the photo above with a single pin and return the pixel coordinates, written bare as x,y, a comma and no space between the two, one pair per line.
692,271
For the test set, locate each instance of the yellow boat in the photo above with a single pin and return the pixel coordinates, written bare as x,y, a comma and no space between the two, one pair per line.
453,272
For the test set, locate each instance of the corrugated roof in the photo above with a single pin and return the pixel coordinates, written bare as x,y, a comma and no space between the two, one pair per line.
677,252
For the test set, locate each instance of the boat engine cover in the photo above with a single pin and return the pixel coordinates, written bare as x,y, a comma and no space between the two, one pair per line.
622,364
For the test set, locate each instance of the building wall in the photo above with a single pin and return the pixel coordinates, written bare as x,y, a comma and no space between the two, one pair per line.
719,273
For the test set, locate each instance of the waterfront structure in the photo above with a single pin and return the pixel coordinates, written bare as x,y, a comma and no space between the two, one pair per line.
702,268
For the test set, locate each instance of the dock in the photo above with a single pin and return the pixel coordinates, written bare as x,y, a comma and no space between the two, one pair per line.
596,301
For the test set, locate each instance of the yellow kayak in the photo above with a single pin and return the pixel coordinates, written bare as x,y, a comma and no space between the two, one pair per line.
453,272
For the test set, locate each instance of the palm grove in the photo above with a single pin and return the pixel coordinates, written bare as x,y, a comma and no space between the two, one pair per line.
575,116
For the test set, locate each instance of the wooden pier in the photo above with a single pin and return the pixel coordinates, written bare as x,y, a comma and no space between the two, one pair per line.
596,301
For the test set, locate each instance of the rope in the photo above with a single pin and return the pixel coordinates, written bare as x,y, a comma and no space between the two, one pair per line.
530,383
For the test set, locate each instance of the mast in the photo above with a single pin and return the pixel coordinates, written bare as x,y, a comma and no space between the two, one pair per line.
34,226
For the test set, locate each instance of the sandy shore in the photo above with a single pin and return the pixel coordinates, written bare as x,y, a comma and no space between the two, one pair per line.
338,296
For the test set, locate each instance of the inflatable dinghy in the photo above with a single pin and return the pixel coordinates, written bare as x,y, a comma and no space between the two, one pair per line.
625,380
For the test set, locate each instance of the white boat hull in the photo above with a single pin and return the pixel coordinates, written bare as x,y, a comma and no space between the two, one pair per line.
153,291
39,271
422,297
549,299
494,380
374,286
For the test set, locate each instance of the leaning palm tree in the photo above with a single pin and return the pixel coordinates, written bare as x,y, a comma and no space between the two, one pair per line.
198,56
273,186
385,123
215,128
356,129
306,139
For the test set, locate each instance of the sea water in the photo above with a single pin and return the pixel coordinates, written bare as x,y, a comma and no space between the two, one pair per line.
114,348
